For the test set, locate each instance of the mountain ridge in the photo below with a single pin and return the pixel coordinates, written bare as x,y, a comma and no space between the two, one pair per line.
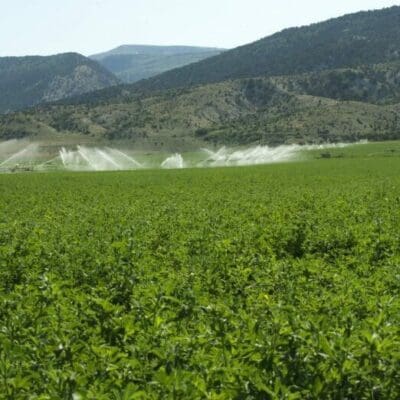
154,49
366,37
131,63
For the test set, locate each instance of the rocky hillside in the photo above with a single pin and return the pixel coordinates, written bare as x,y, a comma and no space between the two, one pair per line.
253,110
27,81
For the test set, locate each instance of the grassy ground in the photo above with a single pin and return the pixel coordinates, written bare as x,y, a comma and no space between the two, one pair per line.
268,282
369,150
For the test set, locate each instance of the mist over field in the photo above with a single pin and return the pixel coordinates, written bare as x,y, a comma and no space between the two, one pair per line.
16,154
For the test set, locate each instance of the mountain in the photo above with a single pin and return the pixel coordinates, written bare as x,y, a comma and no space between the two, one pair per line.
131,63
340,83
27,81
364,104
369,37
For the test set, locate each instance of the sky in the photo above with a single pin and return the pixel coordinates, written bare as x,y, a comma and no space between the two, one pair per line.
43,27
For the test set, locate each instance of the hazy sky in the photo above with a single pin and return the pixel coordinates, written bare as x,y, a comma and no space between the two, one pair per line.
90,26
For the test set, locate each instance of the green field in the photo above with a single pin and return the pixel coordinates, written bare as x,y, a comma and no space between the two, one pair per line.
267,282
